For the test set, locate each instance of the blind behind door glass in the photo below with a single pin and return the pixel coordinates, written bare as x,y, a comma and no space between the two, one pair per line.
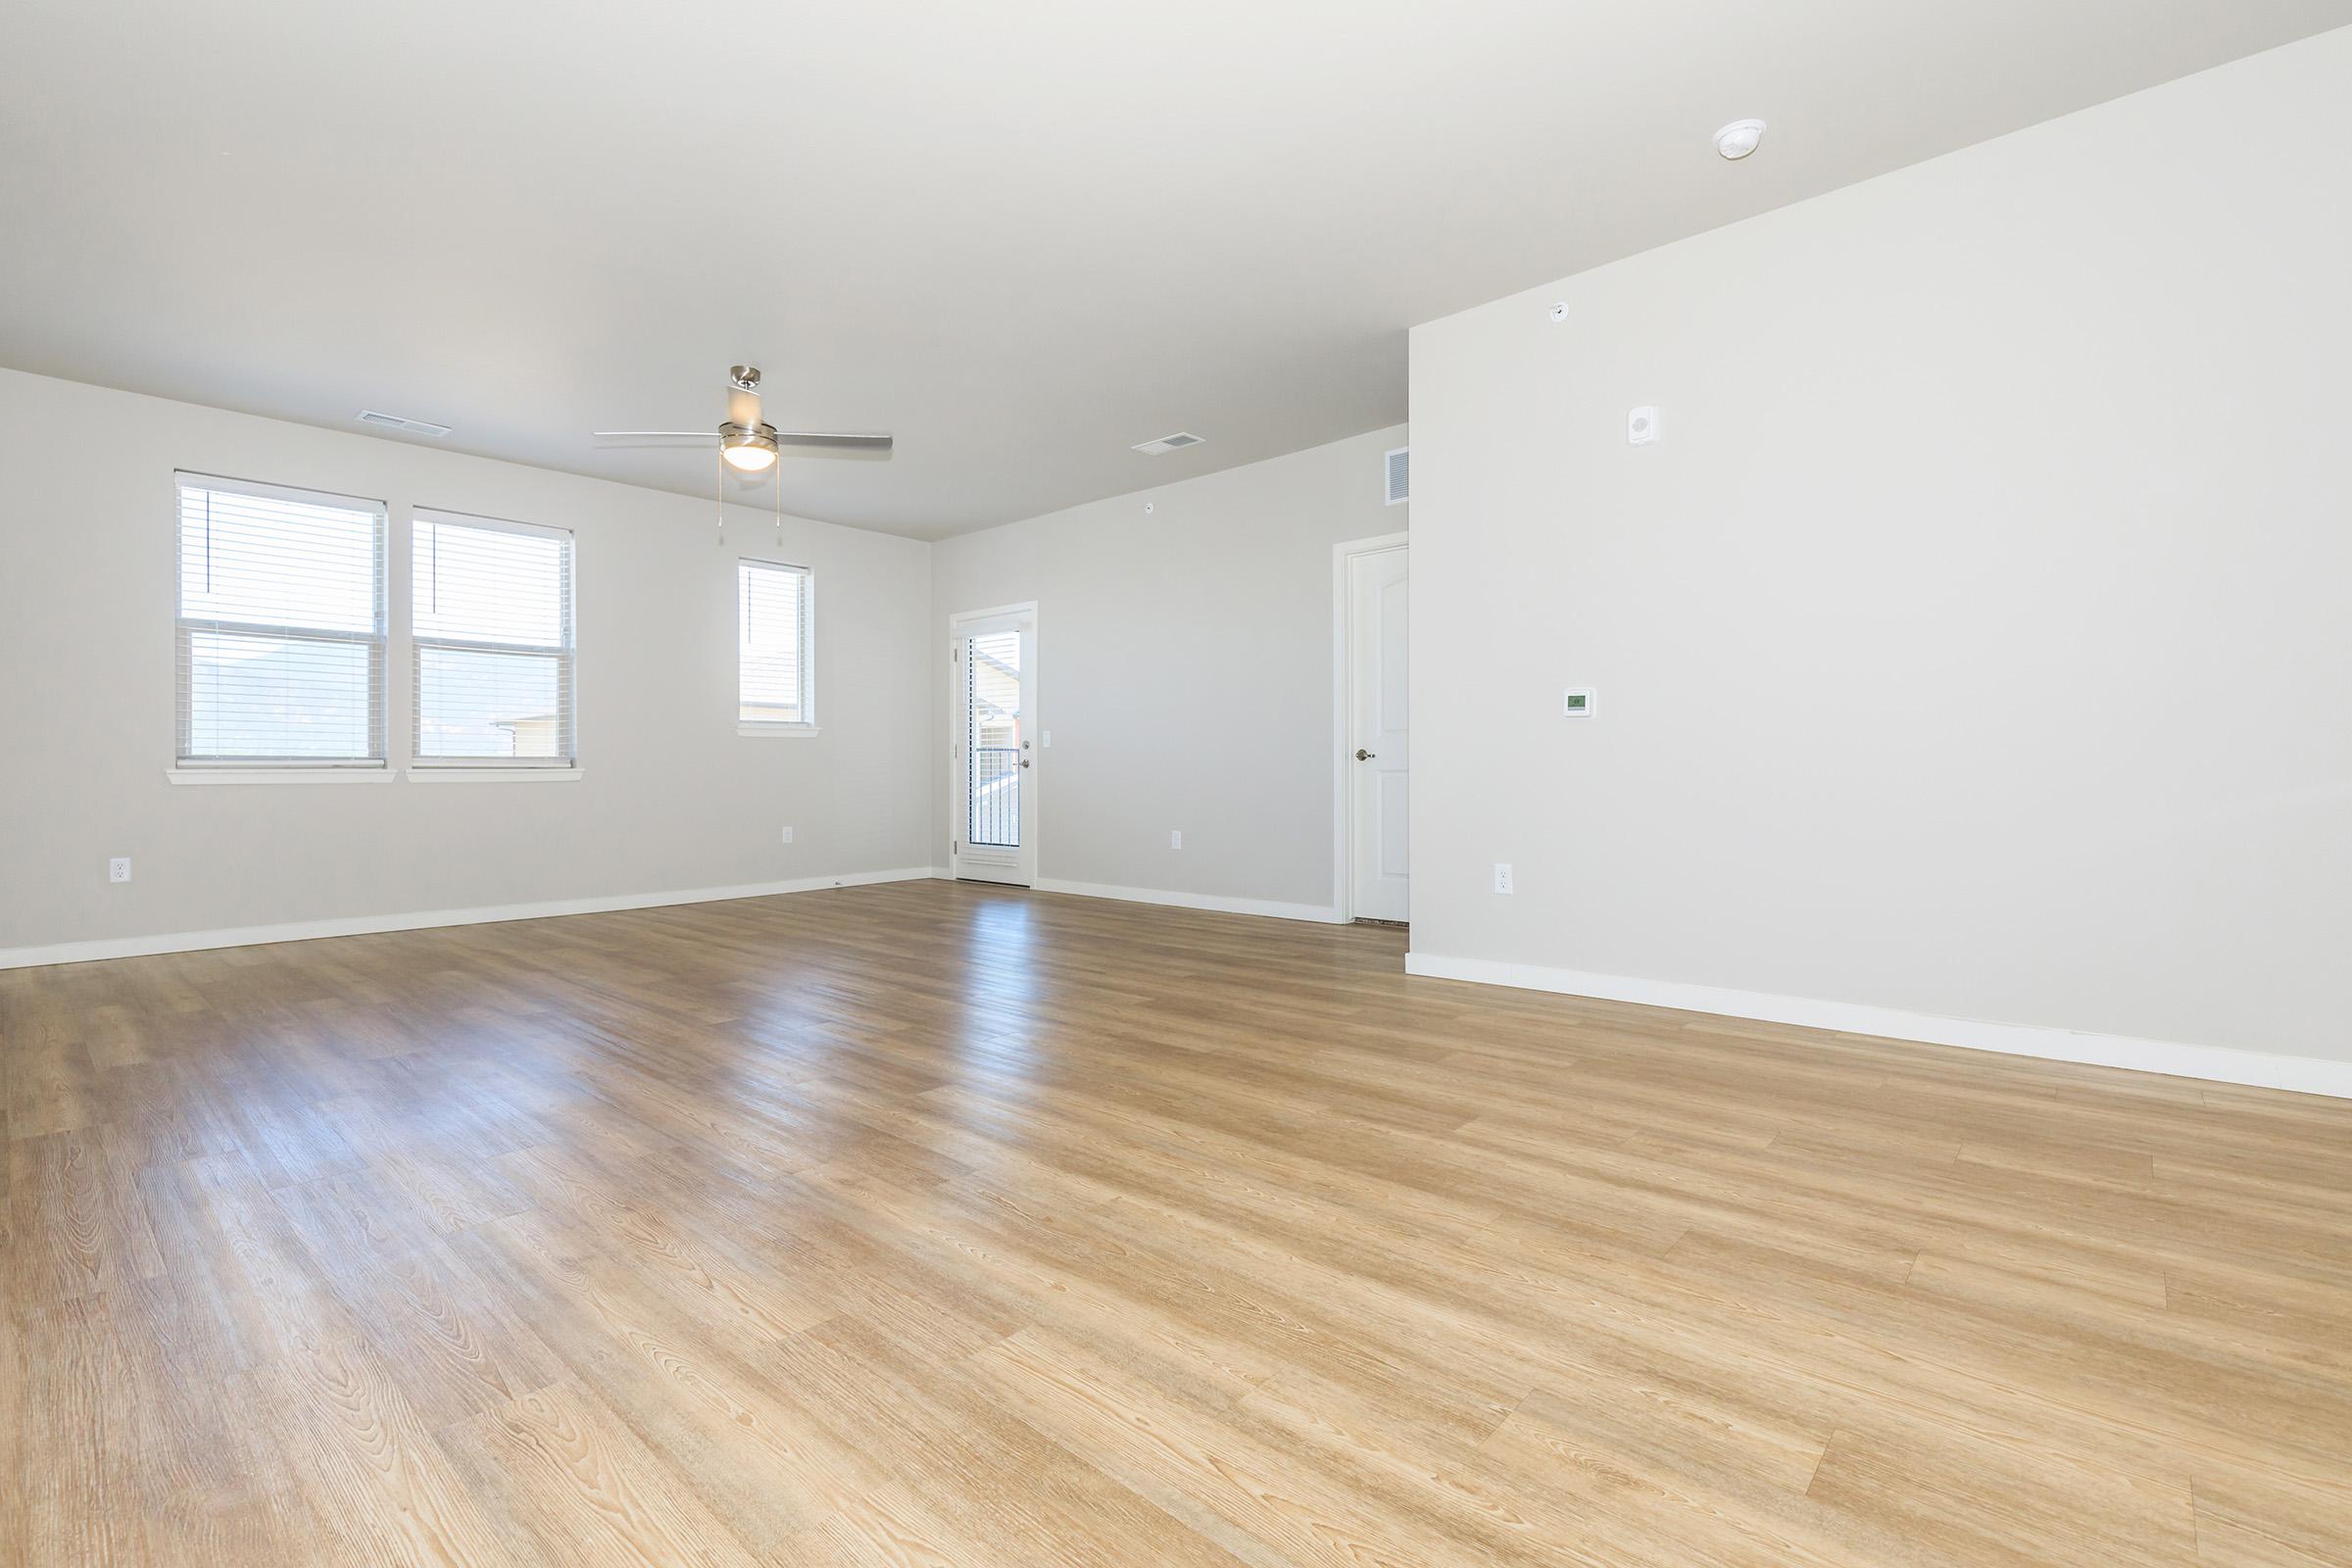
991,669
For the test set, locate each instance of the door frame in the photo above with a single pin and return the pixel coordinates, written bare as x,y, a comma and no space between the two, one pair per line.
1034,828
1342,705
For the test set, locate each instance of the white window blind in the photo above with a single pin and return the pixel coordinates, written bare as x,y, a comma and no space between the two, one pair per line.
773,616
492,620
281,626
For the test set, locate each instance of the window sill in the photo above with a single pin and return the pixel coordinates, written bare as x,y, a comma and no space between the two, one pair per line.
279,775
777,732
492,775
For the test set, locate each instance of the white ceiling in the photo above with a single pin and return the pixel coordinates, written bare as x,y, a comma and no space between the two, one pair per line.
1021,236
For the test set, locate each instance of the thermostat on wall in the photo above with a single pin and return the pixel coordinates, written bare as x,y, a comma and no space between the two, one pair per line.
1576,702
1642,426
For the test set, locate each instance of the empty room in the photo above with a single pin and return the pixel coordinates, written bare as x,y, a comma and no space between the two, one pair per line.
1280,784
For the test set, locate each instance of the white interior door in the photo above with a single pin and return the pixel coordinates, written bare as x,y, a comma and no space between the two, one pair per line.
1380,751
992,823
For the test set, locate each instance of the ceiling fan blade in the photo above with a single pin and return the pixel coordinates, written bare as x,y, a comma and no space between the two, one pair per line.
837,439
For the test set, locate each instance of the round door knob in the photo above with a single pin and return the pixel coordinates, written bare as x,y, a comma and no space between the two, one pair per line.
1024,762
1363,756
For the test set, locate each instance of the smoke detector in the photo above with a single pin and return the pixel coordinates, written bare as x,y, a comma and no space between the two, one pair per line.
1738,138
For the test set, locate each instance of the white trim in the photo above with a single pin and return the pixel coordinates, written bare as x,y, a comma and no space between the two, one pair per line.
454,774
367,924
2228,1065
1343,670
1320,913
775,730
373,774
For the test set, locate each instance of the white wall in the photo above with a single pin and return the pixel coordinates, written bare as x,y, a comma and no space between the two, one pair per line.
1185,673
1184,668
1975,641
671,798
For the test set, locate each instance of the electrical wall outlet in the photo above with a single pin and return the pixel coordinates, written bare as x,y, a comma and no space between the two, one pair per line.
1503,876
1175,838
118,869
786,838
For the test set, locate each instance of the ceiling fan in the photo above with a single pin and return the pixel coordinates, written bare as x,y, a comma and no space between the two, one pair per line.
746,443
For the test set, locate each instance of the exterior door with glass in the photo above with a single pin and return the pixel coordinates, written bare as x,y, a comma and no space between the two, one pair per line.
991,826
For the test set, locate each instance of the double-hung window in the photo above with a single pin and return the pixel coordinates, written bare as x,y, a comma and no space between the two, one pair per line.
774,692
282,627
492,620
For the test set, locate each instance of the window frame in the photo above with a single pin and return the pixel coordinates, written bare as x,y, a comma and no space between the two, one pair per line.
378,641
567,763
779,728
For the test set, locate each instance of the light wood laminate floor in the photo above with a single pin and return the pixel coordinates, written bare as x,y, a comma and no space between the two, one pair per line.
934,1224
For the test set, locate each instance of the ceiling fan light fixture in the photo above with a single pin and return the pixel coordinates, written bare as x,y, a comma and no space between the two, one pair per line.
747,451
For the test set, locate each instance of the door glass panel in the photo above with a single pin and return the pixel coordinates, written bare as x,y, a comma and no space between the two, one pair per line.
991,665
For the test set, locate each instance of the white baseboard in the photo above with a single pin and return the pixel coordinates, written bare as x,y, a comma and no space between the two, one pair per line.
1321,913
366,924
2310,1076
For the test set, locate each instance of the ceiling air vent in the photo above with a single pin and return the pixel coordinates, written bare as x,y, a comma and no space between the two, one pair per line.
1169,443
392,421
1400,474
